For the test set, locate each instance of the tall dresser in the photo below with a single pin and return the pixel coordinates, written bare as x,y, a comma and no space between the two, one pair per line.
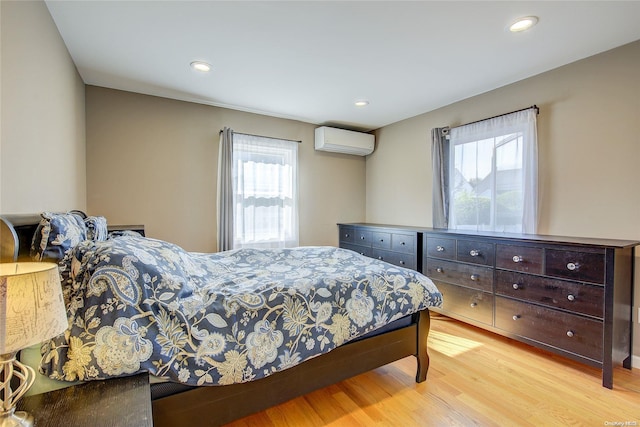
571,296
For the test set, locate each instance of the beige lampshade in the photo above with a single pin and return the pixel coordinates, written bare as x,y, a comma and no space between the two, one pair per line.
31,305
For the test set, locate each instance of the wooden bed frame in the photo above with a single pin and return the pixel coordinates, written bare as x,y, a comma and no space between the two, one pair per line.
216,405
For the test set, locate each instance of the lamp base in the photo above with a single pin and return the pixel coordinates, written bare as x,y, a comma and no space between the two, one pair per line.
10,367
16,419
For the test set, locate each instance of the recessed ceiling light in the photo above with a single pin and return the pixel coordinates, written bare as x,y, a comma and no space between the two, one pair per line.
361,103
201,66
523,24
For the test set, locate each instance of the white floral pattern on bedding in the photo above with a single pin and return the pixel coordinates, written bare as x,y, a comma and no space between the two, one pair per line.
138,304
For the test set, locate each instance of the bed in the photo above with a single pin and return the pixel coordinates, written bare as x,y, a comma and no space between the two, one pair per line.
250,361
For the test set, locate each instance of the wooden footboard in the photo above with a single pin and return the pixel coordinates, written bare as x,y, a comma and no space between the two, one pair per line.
216,405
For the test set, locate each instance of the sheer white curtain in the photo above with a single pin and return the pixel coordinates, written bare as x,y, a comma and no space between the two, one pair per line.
493,174
265,192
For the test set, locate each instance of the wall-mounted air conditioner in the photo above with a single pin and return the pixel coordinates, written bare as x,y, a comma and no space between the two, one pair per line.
344,141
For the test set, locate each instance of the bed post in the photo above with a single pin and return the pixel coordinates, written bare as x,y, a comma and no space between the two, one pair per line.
423,321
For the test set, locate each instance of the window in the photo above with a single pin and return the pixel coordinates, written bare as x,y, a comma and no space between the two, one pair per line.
265,206
493,174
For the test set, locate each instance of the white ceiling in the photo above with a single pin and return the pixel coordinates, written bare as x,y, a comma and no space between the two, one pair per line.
310,61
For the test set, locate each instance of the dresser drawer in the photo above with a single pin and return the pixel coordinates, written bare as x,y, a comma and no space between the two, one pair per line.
362,250
395,258
347,234
441,248
362,237
569,332
472,276
470,303
403,243
582,266
381,240
520,258
476,252
572,296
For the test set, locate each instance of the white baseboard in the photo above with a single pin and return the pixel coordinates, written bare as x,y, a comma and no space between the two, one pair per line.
635,361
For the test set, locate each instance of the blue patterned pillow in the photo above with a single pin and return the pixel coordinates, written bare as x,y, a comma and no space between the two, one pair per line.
56,235
96,228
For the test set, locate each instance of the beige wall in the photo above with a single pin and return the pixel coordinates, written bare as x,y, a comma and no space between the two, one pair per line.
153,161
42,165
589,151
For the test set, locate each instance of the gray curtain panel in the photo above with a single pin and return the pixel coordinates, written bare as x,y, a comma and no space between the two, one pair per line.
225,191
440,193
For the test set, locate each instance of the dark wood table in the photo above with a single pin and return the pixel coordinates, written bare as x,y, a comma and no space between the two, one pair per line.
119,402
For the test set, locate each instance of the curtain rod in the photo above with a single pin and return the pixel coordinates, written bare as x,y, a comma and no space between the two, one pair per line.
262,136
500,115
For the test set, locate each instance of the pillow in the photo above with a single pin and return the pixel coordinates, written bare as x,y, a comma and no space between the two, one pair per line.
96,228
56,235
30,356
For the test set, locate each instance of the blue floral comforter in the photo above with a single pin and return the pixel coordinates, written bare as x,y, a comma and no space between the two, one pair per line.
138,304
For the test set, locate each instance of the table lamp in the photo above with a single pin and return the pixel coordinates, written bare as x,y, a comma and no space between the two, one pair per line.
32,310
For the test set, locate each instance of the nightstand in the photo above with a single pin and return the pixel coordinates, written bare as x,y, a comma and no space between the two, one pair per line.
137,228
118,402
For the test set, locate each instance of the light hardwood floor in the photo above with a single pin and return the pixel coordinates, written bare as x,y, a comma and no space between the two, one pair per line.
475,378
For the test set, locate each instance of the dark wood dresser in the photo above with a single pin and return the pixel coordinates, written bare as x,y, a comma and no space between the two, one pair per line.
400,246
571,296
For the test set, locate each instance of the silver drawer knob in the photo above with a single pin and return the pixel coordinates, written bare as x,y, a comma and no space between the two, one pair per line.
571,297
380,258
401,262
440,248
516,286
402,243
517,258
572,266
347,235
570,334
516,317
439,270
474,277
473,304
361,237
474,252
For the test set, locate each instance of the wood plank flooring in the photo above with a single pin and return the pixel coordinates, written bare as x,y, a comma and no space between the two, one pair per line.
475,378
